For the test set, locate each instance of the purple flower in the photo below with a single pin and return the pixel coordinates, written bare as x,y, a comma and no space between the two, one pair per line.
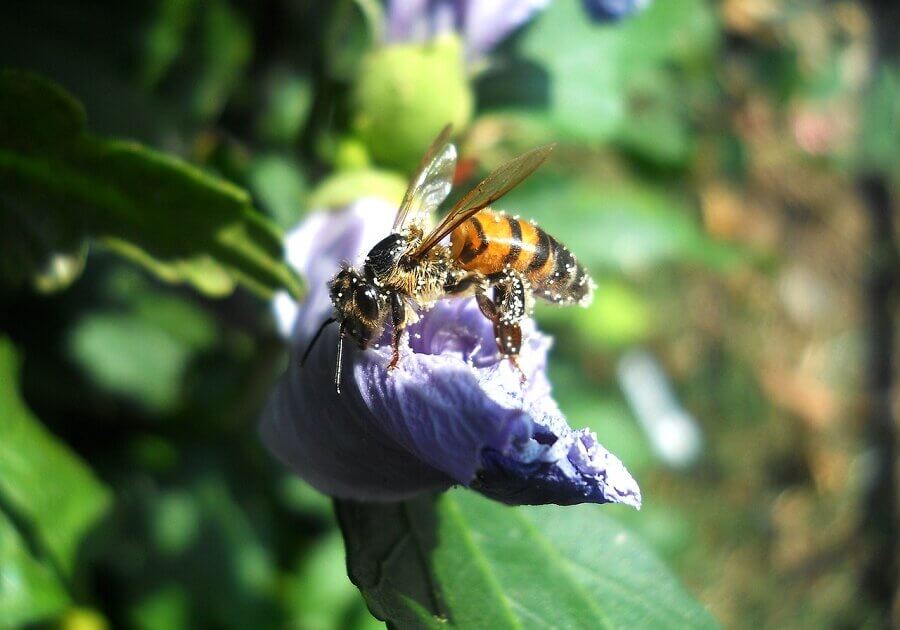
482,24
452,413
613,10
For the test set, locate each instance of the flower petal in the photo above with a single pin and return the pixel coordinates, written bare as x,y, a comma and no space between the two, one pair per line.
483,24
334,441
489,22
317,247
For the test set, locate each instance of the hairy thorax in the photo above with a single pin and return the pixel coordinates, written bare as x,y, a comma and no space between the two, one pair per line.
423,280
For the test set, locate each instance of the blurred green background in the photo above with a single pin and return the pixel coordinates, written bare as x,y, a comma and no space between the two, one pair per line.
725,170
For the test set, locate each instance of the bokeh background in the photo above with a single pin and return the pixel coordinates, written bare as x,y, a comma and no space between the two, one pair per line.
727,171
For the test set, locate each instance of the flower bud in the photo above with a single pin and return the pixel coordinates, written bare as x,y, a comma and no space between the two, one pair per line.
405,94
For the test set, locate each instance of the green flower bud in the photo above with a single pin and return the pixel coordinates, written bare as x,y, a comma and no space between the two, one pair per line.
349,154
344,187
405,94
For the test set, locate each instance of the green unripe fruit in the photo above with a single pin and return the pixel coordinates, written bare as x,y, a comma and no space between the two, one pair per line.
349,154
405,94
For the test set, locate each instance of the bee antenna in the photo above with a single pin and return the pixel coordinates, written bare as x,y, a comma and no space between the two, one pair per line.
315,338
339,361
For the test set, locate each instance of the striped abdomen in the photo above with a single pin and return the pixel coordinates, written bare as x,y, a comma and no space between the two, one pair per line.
489,241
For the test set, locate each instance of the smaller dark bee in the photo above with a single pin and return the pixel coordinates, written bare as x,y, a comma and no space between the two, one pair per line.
411,269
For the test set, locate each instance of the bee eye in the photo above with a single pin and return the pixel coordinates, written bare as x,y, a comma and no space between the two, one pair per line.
366,302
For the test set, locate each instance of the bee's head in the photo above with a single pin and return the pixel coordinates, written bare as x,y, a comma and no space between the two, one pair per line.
361,308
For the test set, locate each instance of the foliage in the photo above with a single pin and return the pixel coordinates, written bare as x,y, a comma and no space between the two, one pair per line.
153,153
61,185
523,567
49,500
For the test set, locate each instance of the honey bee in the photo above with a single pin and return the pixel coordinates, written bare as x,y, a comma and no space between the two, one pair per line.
504,261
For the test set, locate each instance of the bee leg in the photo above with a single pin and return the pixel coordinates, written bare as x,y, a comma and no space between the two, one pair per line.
398,318
462,285
512,299
506,310
487,306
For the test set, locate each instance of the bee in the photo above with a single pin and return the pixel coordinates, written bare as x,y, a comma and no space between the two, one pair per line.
504,261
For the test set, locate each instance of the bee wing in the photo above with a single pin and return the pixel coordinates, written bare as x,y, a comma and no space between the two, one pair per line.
491,188
431,183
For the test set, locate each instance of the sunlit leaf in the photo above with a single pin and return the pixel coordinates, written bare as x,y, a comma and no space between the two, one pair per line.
29,589
879,146
576,76
320,596
289,98
141,350
41,480
153,205
460,560
278,183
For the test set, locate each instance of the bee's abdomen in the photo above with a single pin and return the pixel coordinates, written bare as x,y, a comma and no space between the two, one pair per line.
490,241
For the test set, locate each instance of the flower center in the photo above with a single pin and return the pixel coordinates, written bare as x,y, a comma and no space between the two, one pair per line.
455,327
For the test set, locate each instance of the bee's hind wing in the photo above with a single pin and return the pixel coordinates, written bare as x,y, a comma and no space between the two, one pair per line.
430,184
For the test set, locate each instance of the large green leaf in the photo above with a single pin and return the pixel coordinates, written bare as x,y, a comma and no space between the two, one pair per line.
576,76
879,139
46,485
463,561
180,222
29,589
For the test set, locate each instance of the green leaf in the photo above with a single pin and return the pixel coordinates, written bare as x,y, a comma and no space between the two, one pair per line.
227,46
353,27
288,101
460,560
576,77
29,589
166,37
182,223
41,480
618,318
879,140
143,347
278,183
319,595
657,126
